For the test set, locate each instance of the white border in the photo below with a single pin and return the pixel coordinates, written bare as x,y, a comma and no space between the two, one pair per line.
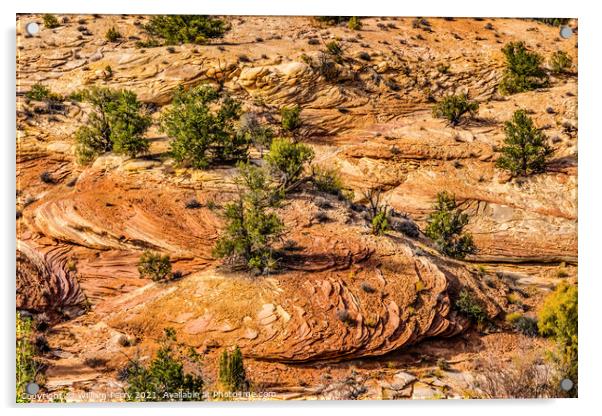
590,149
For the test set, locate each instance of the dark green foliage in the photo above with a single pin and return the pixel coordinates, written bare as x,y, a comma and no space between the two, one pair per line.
40,92
50,21
445,227
287,160
176,29
164,378
327,67
333,20
468,305
560,62
526,326
525,149
232,376
378,211
553,21
252,226
291,117
154,266
523,69
334,48
327,180
117,123
113,35
453,107
202,124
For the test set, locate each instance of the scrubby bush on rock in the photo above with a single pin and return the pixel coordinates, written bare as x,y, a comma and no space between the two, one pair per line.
254,132
526,149
113,35
155,266
560,62
50,21
446,227
467,304
287,160
202,124
290,117
252,226
453,107
523,69
231,374
117,123
53,101
176,29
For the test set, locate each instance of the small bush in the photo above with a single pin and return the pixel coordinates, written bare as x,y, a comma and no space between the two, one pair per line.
26,364
525,149
287,160
232,375
193,204
560,62
405,226
523,69
354,23
252,226
50,21
380,222
468,305
154,266
327,180
113,35
334,48
253,132
345,317
176,29
291,118
526,326
202,124
327,67
367,288
164,378
39,92
445,227
453,107
47,178
117,123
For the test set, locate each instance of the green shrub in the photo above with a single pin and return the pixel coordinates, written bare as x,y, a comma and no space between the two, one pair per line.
154,266
332,20
560,62
380,222
117,123
164,378
445,227
523,69
113,35
327,180
327,67
252,226
176,29
291,117
50,21
26,365
202,124
354,23
525,149
334,48
287,160
231,375
558,318
468,305
453,107
526,326
253,132
552,21
40,92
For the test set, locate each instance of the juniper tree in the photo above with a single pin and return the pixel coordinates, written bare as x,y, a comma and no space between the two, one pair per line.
523,69
287,159
176,29
252,226
118,123
525,149
232,374
446,227
202,123
155,266
453,107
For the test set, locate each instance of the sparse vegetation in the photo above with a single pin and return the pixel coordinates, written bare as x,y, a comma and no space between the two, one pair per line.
232,376
165,378
26,365
287,160
453,107
290,118
378,211
558,319
50,21
523,69
176,29
113,35
254,132
39,92
327,179
525,149
155,266
354,23
446,227
560,62
252,226
202,123
118,123
467,304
